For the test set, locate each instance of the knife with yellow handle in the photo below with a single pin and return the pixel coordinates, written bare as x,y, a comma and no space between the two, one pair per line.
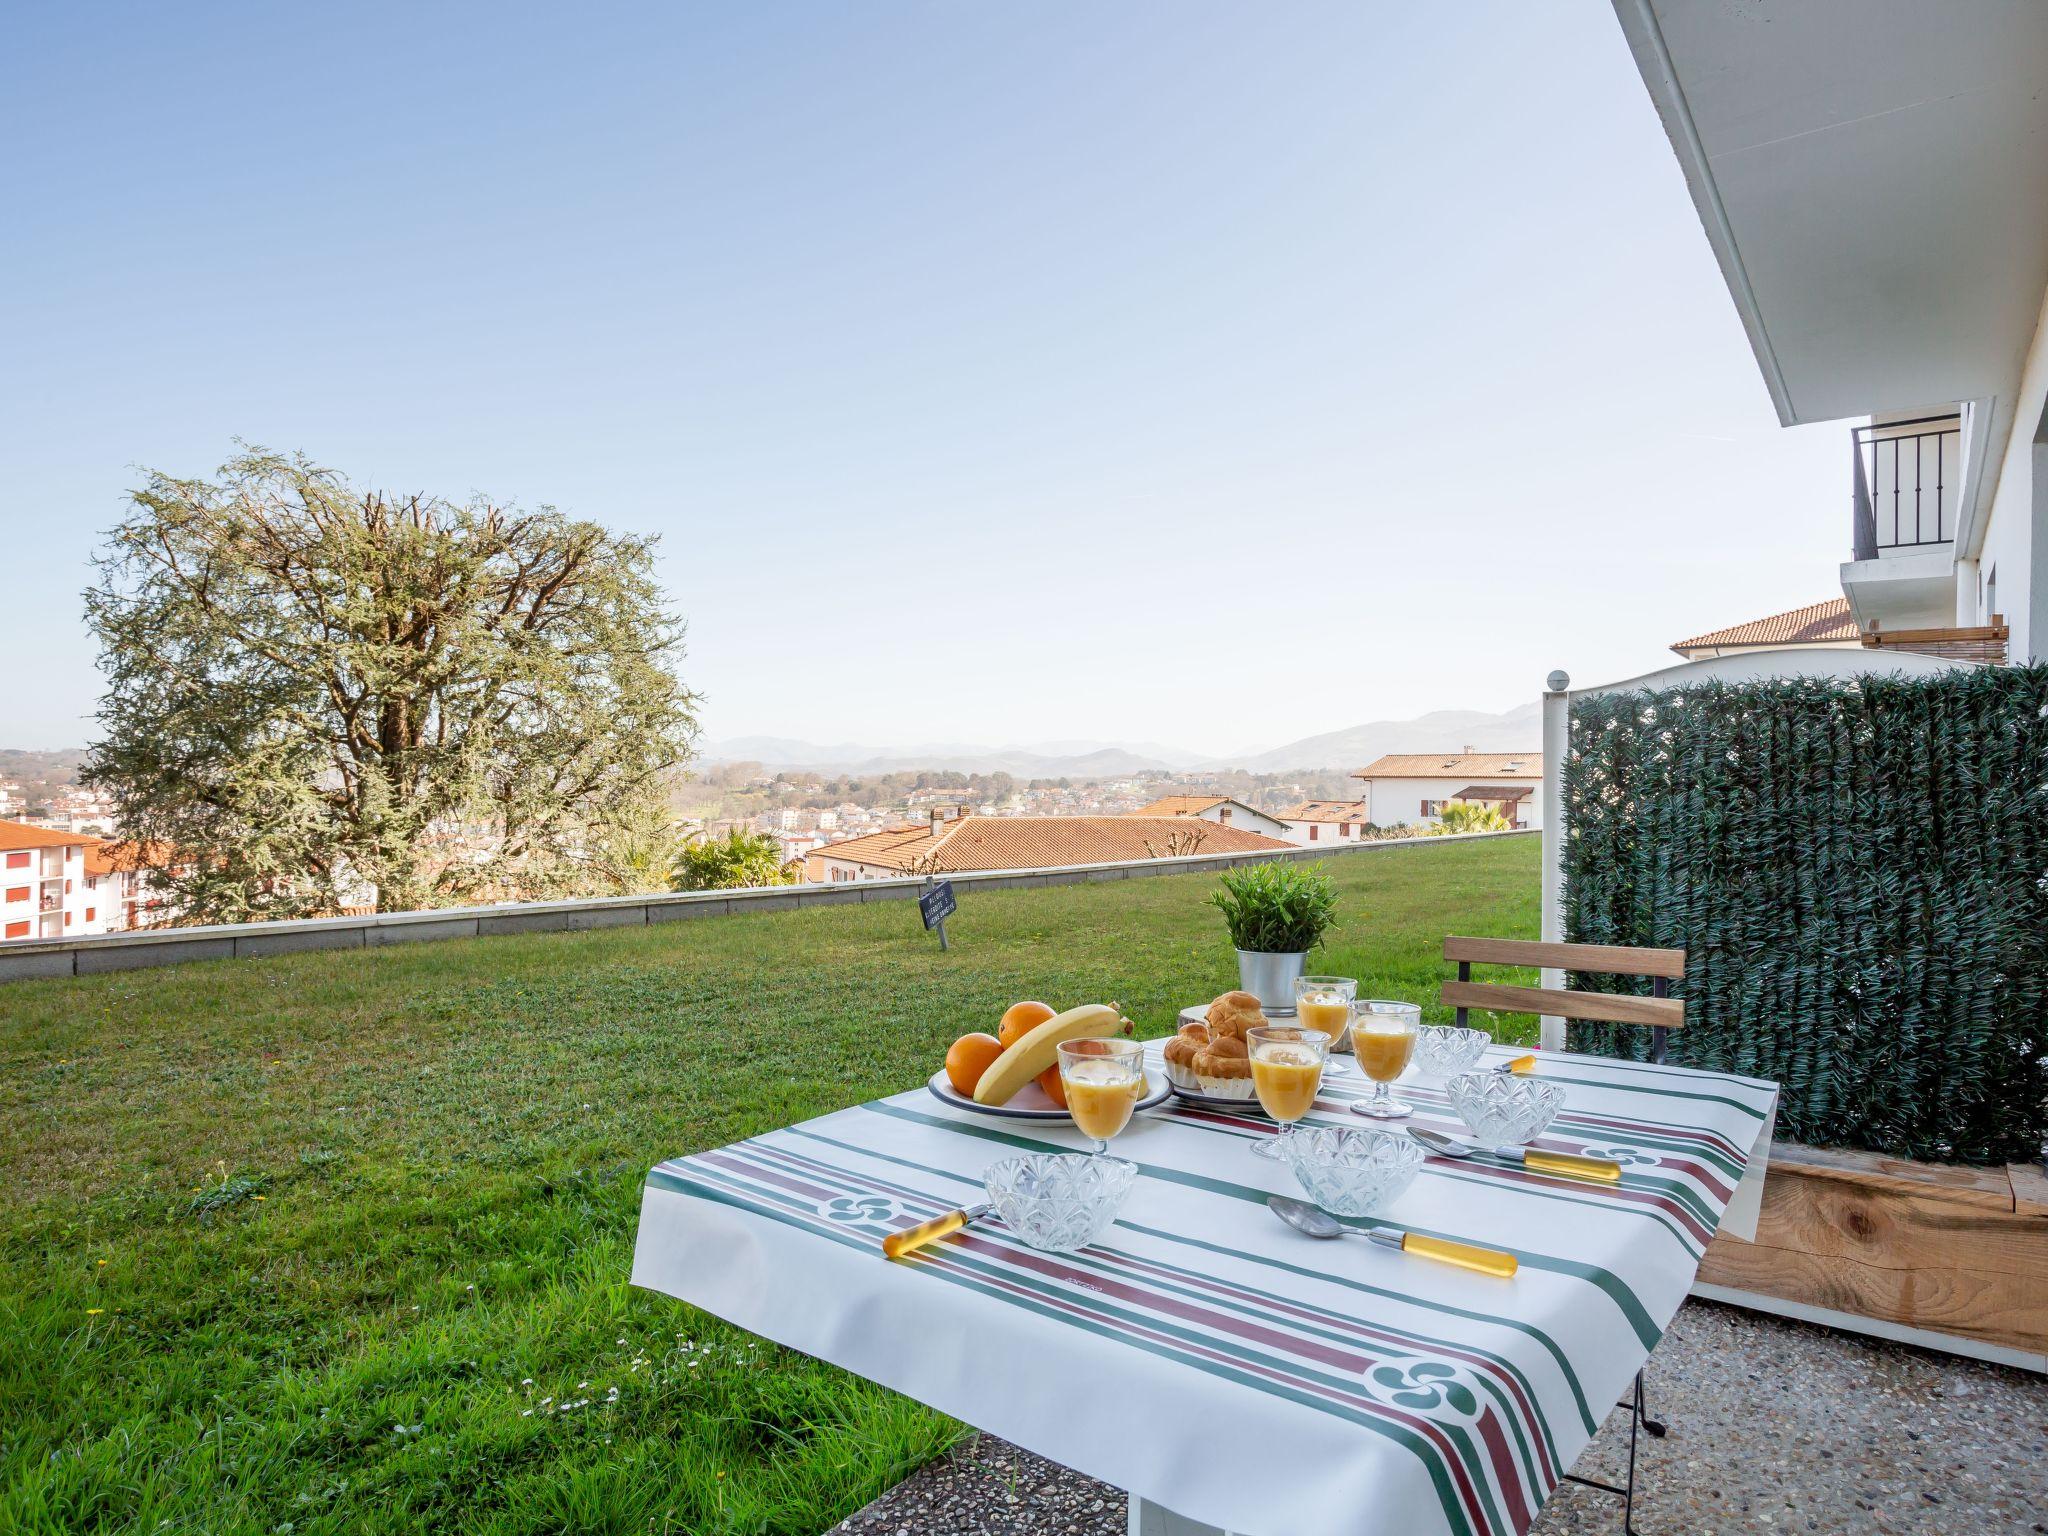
1521,1066
1571,1165
897,1244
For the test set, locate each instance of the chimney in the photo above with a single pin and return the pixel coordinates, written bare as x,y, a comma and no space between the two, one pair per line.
1471,752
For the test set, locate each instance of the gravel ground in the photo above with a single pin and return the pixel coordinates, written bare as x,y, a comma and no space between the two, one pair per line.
1775,1426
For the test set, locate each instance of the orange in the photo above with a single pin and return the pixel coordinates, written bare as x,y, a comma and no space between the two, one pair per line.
1019,1020
968,1057
1055,1090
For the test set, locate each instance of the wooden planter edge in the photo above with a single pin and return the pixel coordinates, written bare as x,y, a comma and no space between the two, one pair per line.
1949,1257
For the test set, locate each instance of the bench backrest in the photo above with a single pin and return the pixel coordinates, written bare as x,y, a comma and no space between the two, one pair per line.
1660,1012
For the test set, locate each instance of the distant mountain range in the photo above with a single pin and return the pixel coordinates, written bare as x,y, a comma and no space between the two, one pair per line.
1516,729
1042,760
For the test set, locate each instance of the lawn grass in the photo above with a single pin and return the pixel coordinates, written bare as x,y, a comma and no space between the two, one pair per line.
339,1242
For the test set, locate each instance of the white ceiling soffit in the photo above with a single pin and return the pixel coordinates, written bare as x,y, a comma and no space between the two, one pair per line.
1873,176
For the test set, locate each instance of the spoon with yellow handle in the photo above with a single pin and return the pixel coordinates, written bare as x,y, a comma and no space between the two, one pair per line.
1317,1222
897,1244
1570,1164
1521,1066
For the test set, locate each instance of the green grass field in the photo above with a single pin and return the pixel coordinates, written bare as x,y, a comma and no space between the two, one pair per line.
339,1242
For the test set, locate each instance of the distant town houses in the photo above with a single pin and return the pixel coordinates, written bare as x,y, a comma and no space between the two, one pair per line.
1412,788
68,808
951,841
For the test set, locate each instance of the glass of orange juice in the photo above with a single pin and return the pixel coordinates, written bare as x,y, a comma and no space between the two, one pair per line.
1383,1040
1324,1003
1104,1080
1287,1069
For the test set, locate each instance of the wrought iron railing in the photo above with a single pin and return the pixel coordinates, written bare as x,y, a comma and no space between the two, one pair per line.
1906,477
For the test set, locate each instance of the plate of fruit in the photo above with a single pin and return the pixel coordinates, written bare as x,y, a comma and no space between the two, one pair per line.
1014,1074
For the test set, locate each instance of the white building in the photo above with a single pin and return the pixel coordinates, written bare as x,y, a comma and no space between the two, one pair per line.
1412,788
1870,175
45,891
1217,810
1326,821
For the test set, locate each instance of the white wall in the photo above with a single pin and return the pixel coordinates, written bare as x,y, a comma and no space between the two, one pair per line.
2015,543
1327,834
1243,818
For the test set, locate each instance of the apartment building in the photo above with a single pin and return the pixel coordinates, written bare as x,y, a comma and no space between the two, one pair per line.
46,891
1869,176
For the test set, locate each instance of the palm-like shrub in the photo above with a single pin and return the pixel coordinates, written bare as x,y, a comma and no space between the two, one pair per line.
740,858
1276,908
1463,816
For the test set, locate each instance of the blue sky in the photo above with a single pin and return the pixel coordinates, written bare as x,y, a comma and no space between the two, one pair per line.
1205,373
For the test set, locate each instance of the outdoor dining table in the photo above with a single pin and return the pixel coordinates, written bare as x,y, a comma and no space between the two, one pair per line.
1226,1370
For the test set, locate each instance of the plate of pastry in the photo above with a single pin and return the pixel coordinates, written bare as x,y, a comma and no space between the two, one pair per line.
1208,1060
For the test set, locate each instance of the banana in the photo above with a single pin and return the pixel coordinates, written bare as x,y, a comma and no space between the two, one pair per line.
1038,1050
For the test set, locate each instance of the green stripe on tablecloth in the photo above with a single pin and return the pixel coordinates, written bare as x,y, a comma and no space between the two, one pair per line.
1617,1291
1271,1305
1757,1115
1418,1446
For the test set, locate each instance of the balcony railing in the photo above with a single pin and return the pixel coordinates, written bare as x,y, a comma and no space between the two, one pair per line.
1906,476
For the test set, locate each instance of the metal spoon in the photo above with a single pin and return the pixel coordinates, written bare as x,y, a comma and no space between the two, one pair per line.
1316,1222
1570,1164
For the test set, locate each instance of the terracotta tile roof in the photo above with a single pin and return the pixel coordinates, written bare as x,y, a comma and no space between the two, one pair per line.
1826,623
1499,792
1451,765
1325,810
880,847
1038,842
1182,805
16,834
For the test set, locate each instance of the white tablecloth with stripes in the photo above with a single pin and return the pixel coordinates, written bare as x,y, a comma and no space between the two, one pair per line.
1205,1356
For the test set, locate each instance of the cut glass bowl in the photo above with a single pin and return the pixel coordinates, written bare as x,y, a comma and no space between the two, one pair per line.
1501,1109
1352,1171
1441,1049
1059,1201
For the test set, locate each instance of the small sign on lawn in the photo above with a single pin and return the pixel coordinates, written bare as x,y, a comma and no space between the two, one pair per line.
936,903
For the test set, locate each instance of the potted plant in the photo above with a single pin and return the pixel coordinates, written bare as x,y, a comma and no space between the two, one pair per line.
1276,914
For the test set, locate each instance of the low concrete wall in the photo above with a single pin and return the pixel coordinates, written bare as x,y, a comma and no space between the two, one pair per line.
24,959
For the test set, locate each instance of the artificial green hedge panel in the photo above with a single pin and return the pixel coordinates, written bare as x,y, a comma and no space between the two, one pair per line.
1858,874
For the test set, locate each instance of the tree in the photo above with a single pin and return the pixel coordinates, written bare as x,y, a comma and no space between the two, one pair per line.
317,694
1468,816
740,858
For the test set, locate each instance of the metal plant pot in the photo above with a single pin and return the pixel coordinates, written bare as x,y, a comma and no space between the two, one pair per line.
1269,976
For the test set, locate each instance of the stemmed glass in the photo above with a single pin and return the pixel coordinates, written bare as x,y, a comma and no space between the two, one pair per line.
1287,1069
1103,1079
1324,1003
1383,1040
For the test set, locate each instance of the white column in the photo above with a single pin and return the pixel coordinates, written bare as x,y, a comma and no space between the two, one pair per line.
1557,709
